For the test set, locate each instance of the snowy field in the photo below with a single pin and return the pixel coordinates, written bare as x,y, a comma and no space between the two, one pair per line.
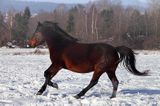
21,76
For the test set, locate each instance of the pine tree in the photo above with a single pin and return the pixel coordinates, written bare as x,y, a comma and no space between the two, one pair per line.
26,17
27,14
70,23
107,18
1,19
71,20
19,32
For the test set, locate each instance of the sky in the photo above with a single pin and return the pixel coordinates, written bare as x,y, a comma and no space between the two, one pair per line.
85,1
61,1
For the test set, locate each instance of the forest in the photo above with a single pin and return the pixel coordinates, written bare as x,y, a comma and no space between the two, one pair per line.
106,21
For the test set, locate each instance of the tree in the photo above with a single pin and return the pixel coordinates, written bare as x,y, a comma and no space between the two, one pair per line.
1,22
26,16
19,32
71,20
107,20
70,23
137,30
1,19
4,31
18,29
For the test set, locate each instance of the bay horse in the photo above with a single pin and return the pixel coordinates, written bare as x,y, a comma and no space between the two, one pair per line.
66,52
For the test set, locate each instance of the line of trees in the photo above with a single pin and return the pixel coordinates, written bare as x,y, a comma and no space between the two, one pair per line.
14,27
102,21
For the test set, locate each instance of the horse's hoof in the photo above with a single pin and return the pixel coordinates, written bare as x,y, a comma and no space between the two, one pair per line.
55,85
112,97
77,97
39,93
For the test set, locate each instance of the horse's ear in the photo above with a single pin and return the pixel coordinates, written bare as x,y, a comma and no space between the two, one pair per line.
39,24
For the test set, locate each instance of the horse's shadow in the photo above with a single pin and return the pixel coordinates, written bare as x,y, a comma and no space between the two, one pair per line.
97,94
129,91
140,91
107,94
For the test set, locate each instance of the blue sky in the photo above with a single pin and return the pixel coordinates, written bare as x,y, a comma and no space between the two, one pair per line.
84,1
61,1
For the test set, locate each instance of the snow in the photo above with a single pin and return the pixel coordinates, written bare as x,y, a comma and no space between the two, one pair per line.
21,76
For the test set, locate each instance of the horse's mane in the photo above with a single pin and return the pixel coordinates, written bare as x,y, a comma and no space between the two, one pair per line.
60,31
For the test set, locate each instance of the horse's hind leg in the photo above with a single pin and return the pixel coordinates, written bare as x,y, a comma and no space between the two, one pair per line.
48,74
93,82
115,82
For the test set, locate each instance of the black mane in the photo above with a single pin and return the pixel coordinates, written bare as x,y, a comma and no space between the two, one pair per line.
60,31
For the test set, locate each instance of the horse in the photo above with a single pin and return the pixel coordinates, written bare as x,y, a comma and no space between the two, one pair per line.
68,53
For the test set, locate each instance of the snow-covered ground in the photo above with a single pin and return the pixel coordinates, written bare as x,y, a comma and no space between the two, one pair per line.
21,76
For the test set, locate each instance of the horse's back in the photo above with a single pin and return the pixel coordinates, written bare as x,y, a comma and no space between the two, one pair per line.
108,52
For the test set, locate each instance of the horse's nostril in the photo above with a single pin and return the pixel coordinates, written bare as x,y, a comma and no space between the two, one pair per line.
32,42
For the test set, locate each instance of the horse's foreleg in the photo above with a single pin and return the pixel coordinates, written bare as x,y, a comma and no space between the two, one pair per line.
49,74
42,88
54,85
93,82
115,83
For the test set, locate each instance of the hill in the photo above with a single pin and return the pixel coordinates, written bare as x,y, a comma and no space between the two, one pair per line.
35,7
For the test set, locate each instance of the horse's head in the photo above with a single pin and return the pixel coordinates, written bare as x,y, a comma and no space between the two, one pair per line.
50,32
43,31
37,38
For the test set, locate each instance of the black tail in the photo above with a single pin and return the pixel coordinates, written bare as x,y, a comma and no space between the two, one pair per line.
128,57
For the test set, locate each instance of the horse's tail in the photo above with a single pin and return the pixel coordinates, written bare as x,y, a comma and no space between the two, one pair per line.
128,57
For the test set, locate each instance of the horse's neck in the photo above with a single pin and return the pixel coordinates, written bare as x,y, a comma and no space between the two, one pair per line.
58,46
66,35
59,41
